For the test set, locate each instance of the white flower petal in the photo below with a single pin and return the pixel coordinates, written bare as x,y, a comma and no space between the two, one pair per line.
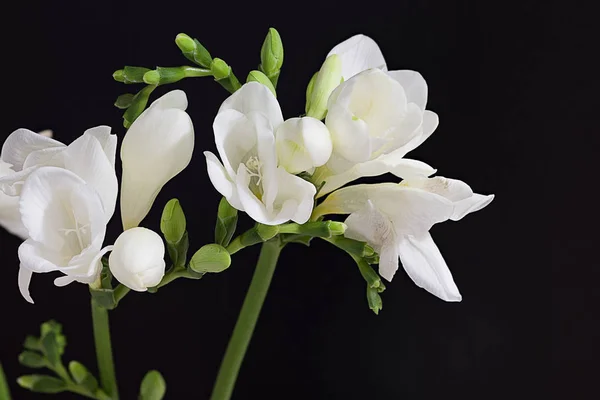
86,158
425,265
349,134
21,143
12,184
430,124
369,225
235,137
452,189
471,204
24,280
157,147
221,180
358,53
175,99
37,258
292,188
255,97
302,144
414,86
63,280
106,140
10,216
251,204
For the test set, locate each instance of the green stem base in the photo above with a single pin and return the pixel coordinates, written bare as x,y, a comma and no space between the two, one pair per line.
244,327
106,365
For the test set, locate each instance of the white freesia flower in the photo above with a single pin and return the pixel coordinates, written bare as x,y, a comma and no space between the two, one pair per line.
248,176
358,54
91,157
65,219
302,144
10,217
157,147
395,220
137,259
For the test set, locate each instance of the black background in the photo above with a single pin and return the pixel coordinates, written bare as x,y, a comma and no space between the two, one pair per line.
493,81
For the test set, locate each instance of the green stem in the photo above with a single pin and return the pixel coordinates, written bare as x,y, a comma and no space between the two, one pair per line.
244,327
174,274
106,365
120,292
4,391
235,245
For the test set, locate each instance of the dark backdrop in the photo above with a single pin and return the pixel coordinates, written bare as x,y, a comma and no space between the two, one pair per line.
488,73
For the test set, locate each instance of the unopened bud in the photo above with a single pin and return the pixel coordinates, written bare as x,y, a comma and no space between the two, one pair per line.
173,223
327,80
257,76
271,54
210,258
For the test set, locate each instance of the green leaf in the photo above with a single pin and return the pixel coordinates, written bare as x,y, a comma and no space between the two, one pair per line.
227,218
4,391
32,343
42,384
82,376
124,101
32,359
153,386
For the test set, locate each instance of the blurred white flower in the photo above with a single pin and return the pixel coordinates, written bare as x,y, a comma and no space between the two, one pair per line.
395,220
157,147
248,176
137,259
65,220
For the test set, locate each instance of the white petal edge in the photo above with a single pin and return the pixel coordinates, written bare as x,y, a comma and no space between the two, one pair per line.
24,280
358,53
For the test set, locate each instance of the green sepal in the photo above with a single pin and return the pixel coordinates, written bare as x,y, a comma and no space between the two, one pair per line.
227,218
124,101
178,251
353,247
129,75
138,104
193,50
301,239
82,376
105,275
224,75
368,273
42,384
374,300
258,76
105,298
153,386
32,359
210,258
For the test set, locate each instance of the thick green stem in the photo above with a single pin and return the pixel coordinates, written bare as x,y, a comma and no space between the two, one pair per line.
106,365
244,327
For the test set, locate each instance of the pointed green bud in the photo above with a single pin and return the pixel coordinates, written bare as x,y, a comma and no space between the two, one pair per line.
374,300
130,75
193,50
152,77
309,90
42,384
271,54
138,104
153,386
327,80
227,217
370,276
210,258
336,228
173,223
220,69
124,101
82,376
257,76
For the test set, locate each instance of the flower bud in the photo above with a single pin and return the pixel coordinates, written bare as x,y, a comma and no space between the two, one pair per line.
309,90
374,300
137,259
227,217
271,55
328,79
130,75
302,144
220,69
157,147
124,101
137,105
257,76
210,258
193,50
173,223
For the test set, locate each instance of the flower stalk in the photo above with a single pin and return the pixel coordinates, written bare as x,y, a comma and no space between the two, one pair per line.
106,365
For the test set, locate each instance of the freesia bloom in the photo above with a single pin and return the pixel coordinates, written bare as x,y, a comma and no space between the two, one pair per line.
157,147
395,220
248,176
358,54
137,259
302,144
10,218
91,157
65,219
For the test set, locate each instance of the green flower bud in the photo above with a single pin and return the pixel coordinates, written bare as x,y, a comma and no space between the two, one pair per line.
124,101
271,54
42,384
309,90
119,75
32,359
370,276
130,75
193,50
210,258
374,300
220,69
327,80
138,104
173,223
153,386
257,76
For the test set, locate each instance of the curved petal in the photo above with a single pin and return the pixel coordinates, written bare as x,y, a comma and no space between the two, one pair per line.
430,124
471,204
414,86
87,158
296,189
106,140
63,280
452,189
235,136
175,99
252,205
358,53
221,180
267,156
12,184
254,96
157,147
349,134
22,142
10,216
425,265
37,258
24,280
302,144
